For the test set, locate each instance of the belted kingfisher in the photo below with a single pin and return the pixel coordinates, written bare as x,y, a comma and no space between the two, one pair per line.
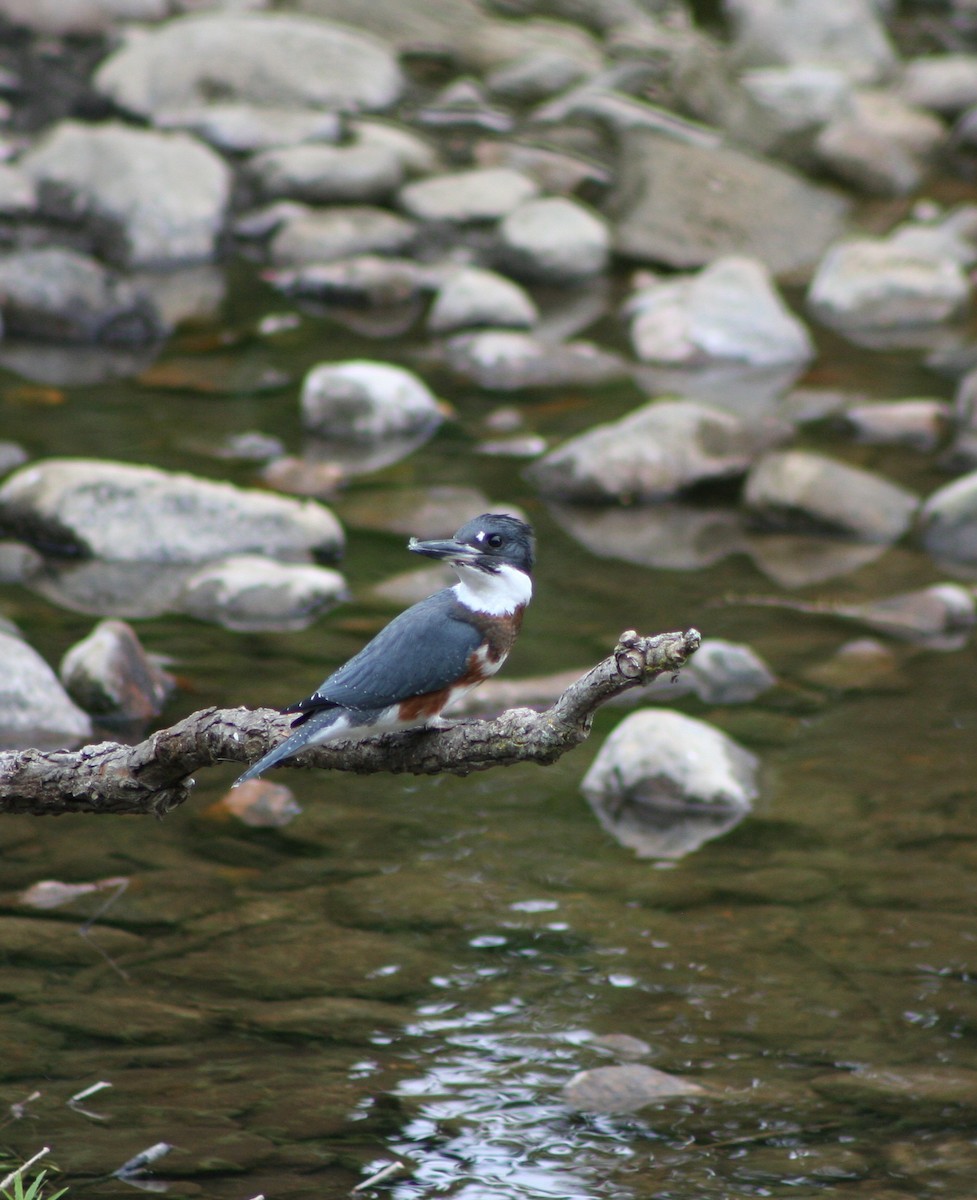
434,652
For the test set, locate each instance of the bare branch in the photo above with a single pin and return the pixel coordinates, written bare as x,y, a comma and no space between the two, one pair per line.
155,775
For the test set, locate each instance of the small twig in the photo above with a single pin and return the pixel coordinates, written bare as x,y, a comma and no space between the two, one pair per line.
383,1173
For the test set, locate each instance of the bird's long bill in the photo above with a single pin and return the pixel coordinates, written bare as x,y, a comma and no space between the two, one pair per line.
448,548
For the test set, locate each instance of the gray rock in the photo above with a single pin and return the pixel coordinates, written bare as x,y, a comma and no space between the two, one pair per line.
366,401
945,83
126,513
18,193
796,560
150,199
111,676
948,522
248,128
845,34
535,76
35,710
270,59
921,424
340,232
318,174
472,297
879,144
659,764
249,593
480,194
416,155
720,672
370,279
87,19
500,360
554,240
11,455
800,490
729,311
61,295
625,1088
654,452
799,99
683,206
869,285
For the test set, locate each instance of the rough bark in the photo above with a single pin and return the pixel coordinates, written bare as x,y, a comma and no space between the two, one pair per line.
155,775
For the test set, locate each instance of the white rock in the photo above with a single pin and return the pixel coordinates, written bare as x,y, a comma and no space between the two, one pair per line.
945,83
125,513
271,59
472,296
35,710
249,592
362,401
729,311
481,194
877,284
554,240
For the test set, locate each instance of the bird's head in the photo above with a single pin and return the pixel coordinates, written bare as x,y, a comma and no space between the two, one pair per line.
488,544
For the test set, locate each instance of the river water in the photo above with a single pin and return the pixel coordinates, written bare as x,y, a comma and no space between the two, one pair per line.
412,970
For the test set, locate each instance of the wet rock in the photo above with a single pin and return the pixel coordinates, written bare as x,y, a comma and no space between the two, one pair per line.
798,489
366,401
150,199
369,279
799,560
862,665
919,424
51,943
867,285
500,360
663,783
480,194
929,1090
554,240
472,296
625,1088
720,672
339,232
948,522
303,477
879,144
672,536
62,295
264,58
247,592
317,174
114,1018
659,449
683,206
728,311
131,590
334,1018
111,676
845,34
35,710
126,513
621,1045
250,128
260,804
945,83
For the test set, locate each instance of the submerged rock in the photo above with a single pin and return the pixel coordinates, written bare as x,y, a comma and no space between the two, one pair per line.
126,513
798,489
729,311
272,59
368,279
366,401
61,295
111,676
684,205
657,450
150,199
625,1088
35,710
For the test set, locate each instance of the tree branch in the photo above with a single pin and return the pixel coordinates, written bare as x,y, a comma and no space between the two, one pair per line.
154,776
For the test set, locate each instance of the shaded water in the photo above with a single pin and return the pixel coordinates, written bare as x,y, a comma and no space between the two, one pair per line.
412,969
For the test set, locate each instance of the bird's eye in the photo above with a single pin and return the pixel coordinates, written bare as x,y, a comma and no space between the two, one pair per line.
494,541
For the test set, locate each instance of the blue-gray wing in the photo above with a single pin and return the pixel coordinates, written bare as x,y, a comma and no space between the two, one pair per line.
423,650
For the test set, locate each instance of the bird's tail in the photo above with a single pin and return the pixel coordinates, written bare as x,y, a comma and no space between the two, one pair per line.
318,727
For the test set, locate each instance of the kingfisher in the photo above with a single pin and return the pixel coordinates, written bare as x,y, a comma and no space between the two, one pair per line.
434,652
